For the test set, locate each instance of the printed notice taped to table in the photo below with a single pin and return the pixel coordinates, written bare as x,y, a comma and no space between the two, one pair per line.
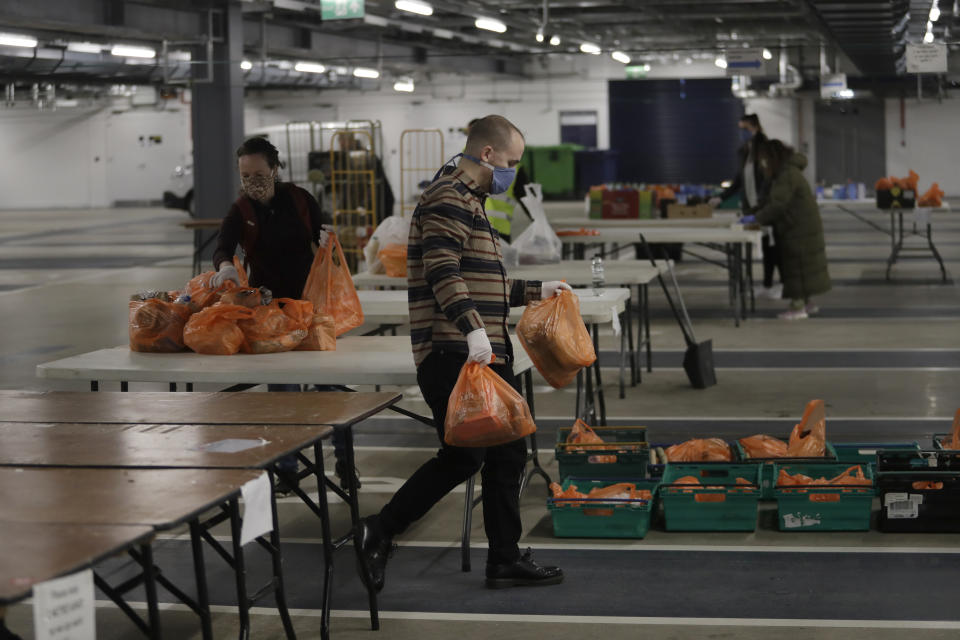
63,608
232,445
257,514
927,58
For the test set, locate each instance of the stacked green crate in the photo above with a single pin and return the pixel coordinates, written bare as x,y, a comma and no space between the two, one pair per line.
624,453
822,507
720,501
768,478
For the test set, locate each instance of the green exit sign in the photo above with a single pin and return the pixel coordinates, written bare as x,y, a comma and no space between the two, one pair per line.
341,9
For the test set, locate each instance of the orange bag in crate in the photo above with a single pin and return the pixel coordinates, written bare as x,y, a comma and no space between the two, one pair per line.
330,288
700,450
809,438
554,336
157,326
484,410
394,260
270,330
764,446
214,330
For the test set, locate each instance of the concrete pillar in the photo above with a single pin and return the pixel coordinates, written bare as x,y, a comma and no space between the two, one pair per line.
217,118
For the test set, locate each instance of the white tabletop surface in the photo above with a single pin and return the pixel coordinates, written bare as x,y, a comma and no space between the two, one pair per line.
626,235
390,307
577,273
370,360
719,219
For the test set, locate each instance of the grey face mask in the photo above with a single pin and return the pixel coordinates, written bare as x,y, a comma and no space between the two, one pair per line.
257,187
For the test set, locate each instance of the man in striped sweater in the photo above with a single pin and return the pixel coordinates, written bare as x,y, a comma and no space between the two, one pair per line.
460,299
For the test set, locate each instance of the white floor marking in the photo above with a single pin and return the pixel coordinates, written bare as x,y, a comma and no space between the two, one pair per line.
556,619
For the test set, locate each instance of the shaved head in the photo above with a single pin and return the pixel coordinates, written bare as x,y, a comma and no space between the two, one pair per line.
493,131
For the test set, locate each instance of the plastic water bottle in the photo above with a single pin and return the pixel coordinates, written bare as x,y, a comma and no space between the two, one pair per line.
596,268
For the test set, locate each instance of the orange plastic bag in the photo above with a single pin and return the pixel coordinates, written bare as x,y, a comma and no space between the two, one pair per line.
157,326
554,336
321,336
687,480
484,410
883,184
932,198
910,182
241,272
394,260
700,450
809,438
330,288
763,446
954,441
852,476
202,293
270,330
581,433
244,296
214,330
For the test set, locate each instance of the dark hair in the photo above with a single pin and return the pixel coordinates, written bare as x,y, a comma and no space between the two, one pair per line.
775,154
492,130
753,120
262,146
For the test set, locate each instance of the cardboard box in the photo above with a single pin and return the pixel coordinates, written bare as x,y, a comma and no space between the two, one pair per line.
689,211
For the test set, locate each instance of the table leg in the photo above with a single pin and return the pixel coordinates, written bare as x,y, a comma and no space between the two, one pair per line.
355,519
124,386
741,279
936,254
896,240
150,589
239,570
94,385
633,348
327,540
596,367
646,327
200,575
623,355
753,298
279,590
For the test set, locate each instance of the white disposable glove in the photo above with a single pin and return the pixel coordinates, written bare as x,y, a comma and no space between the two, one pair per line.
479,345
226,272
553,288
715,201
324,237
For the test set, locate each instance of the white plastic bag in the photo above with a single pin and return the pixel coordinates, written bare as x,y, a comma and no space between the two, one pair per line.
538,244
393,230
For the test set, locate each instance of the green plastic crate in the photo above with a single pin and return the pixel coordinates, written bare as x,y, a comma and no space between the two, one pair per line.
850,453
767,477
602,518
633,454
938,439
823,508
655,469
724,506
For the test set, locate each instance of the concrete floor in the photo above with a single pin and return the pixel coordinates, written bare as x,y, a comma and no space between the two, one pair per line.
65,277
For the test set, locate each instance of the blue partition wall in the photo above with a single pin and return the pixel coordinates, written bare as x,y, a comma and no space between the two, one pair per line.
674,131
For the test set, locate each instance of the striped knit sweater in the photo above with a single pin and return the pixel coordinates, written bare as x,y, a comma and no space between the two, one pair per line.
456,281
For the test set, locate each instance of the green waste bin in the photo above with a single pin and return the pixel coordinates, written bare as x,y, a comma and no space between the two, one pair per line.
554,168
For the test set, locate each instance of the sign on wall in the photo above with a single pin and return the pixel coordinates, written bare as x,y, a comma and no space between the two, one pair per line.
745,62
831,84
927,58
341,9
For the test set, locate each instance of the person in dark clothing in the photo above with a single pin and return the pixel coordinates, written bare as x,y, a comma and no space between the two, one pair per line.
751,183
459,298
277,224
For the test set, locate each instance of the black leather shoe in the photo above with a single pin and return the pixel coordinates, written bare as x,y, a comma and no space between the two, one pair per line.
523,572
341,469
375,549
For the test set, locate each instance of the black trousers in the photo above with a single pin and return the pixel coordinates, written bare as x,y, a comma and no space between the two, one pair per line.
771,260
501,467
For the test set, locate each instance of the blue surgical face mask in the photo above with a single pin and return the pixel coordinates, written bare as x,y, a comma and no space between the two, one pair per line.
503,177
745,135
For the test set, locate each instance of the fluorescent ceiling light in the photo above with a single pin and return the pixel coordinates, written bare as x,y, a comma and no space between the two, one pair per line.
60,102
443,33
246,65
404,84
555,40
180,56
309,67
539,36
688,61
620,56
126,51
935,11
720,62
845,93
767,55
341,71
489,24
414,6
364,72
17,40
928,37
84,47
590,48
377,21
646,67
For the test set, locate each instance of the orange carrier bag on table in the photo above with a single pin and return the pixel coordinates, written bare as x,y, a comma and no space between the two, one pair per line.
202,293
485,411
554,336
214,330
330,288
270,330
394,260
157,326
